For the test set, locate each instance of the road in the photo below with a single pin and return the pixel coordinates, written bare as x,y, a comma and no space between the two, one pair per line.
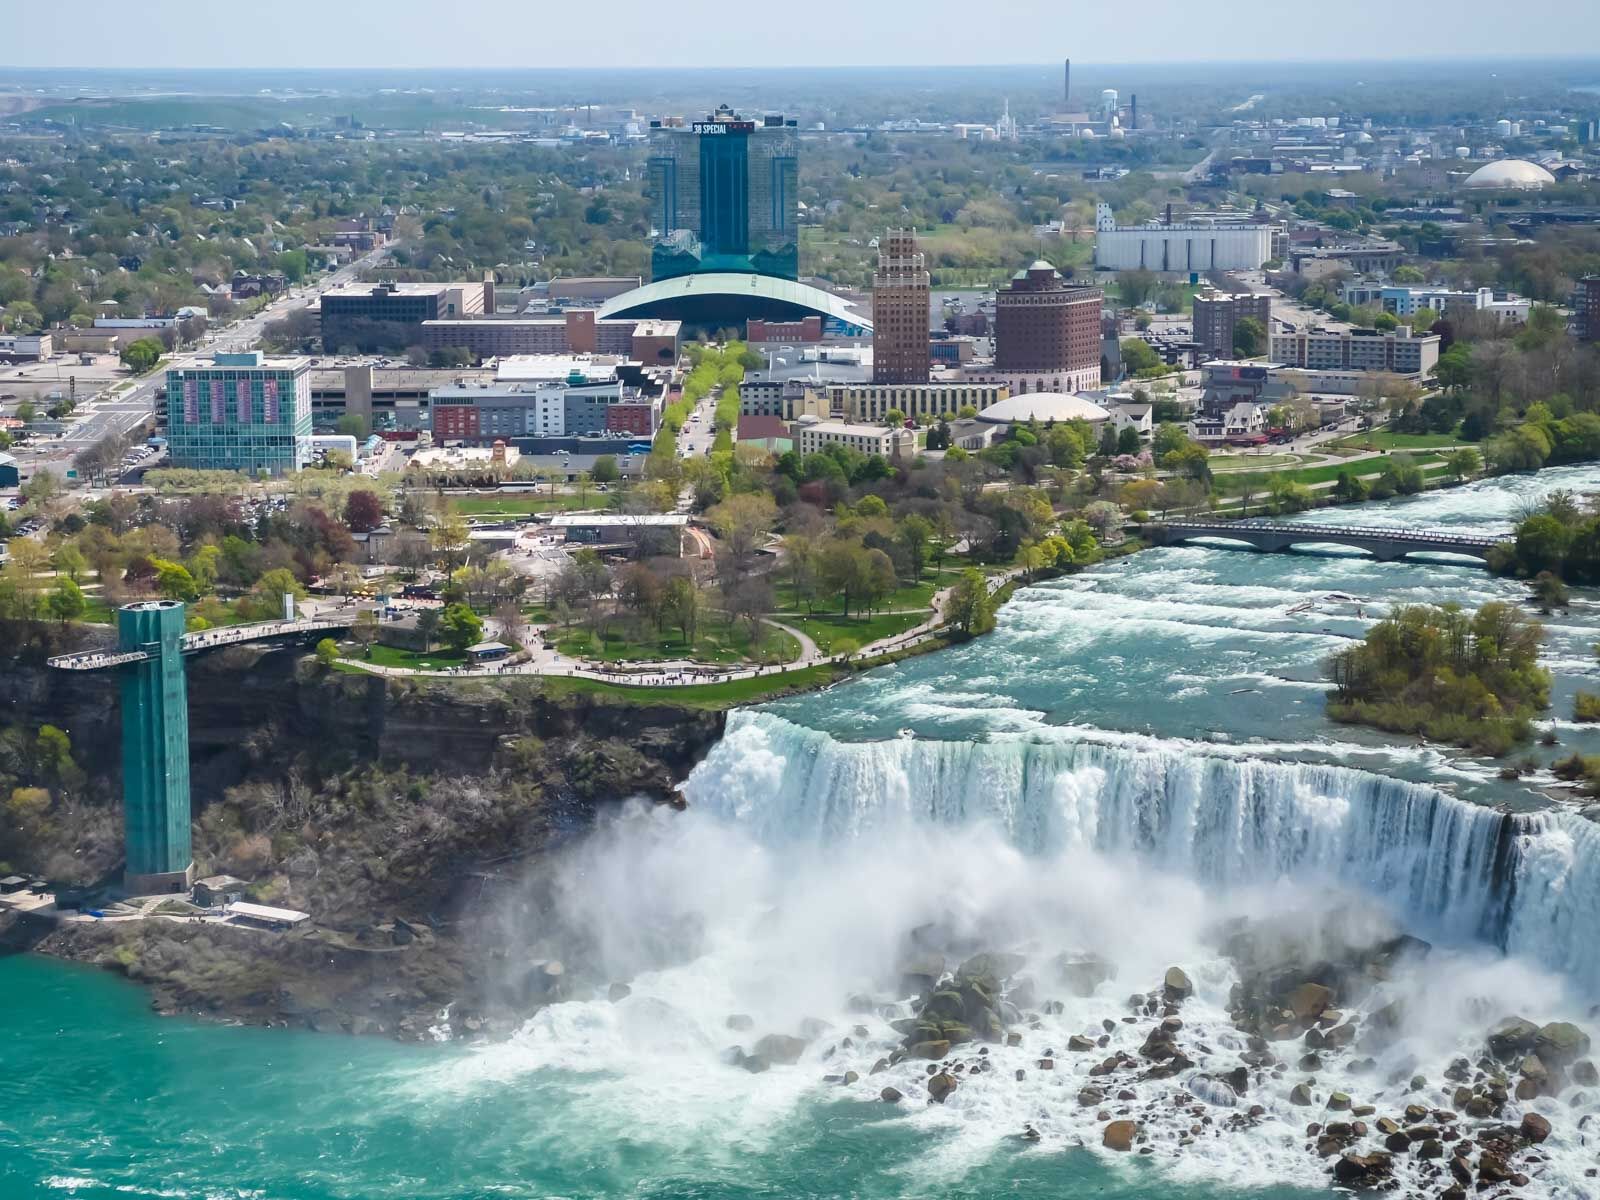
112,413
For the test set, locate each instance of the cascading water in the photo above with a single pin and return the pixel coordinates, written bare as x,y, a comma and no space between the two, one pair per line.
1525,883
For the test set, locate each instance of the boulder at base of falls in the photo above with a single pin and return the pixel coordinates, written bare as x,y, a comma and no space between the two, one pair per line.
1561,1043
741,1023
934,1050
780,1048
941,1085
618,991
1176,986
890,1095
754,1063
1119,1135
1300,1094
1512,1038
1534,1127
1309,1001
1584,1073
1362,1170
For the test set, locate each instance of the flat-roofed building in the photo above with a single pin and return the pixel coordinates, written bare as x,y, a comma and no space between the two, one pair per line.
389,316
649,340
864,439
1217,316
245,412
1399,351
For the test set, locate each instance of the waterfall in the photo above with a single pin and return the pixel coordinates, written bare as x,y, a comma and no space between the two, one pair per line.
1526,884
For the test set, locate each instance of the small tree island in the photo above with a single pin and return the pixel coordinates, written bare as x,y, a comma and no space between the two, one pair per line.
1472,679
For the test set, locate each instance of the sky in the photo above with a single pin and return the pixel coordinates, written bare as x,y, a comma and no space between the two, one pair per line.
686,33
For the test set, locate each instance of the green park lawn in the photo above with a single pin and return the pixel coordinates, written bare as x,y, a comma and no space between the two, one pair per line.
1383,439
396,656
714,642
835,634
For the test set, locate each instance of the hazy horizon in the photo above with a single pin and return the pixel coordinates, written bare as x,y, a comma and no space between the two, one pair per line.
401,35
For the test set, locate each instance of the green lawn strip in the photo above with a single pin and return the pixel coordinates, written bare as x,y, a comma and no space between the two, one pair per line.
396,656
1366,467
527,505
1226,464
700,695
828,631
1383,439
715,643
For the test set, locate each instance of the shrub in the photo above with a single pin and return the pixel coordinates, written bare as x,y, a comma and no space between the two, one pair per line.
1586,707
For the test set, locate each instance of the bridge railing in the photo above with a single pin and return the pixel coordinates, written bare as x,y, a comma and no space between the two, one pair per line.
1310,531
206,639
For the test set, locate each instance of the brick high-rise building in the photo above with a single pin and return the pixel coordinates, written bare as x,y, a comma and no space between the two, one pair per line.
900,311
1588,308
1047,332
1217,316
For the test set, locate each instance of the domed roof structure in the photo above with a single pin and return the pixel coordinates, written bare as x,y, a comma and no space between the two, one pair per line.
1043,407
1510,174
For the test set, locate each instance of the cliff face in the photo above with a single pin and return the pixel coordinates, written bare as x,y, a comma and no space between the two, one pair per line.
393,810
251,709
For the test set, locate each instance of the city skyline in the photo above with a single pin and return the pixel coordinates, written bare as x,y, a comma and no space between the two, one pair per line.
91,35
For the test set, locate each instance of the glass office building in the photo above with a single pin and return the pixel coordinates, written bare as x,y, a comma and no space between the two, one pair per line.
724,196
245,412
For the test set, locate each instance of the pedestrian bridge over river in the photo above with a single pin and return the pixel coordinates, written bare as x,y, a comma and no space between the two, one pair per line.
1384,544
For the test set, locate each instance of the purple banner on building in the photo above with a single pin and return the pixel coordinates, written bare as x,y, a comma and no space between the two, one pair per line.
269,401
191,401
219,403
241,409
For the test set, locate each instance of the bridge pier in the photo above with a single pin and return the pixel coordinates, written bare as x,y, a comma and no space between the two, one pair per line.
155,750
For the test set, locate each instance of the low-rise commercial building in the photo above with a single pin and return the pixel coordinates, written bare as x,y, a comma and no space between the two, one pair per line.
1398,352
25,347
1407,301
580,331
549,396
864,439
390,316
245,412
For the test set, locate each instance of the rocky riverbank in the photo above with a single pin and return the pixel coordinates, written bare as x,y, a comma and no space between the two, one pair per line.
397,813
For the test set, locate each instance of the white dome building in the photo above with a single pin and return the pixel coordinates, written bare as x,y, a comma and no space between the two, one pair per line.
1510,174
1043,407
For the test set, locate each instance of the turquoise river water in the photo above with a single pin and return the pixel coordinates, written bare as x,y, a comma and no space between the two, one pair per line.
1135,757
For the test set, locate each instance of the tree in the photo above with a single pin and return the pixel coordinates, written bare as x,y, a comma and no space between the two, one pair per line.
428,626
174,581
968,605
1140,357
1249,338
1128,440
1136,287
1461,463
141,355
681,604
363,511
66,601
365,628
743,521
327,652
460,627
450,538
354,425
605,470
264,601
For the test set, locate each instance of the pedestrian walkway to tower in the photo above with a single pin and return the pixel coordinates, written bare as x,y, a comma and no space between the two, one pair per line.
210,639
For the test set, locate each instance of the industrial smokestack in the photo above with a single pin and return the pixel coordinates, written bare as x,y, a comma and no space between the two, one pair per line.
1066,86
1133,111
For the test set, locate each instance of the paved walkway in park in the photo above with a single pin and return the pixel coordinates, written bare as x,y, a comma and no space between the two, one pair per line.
548,663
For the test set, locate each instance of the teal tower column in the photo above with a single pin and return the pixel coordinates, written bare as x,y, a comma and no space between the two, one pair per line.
155,750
